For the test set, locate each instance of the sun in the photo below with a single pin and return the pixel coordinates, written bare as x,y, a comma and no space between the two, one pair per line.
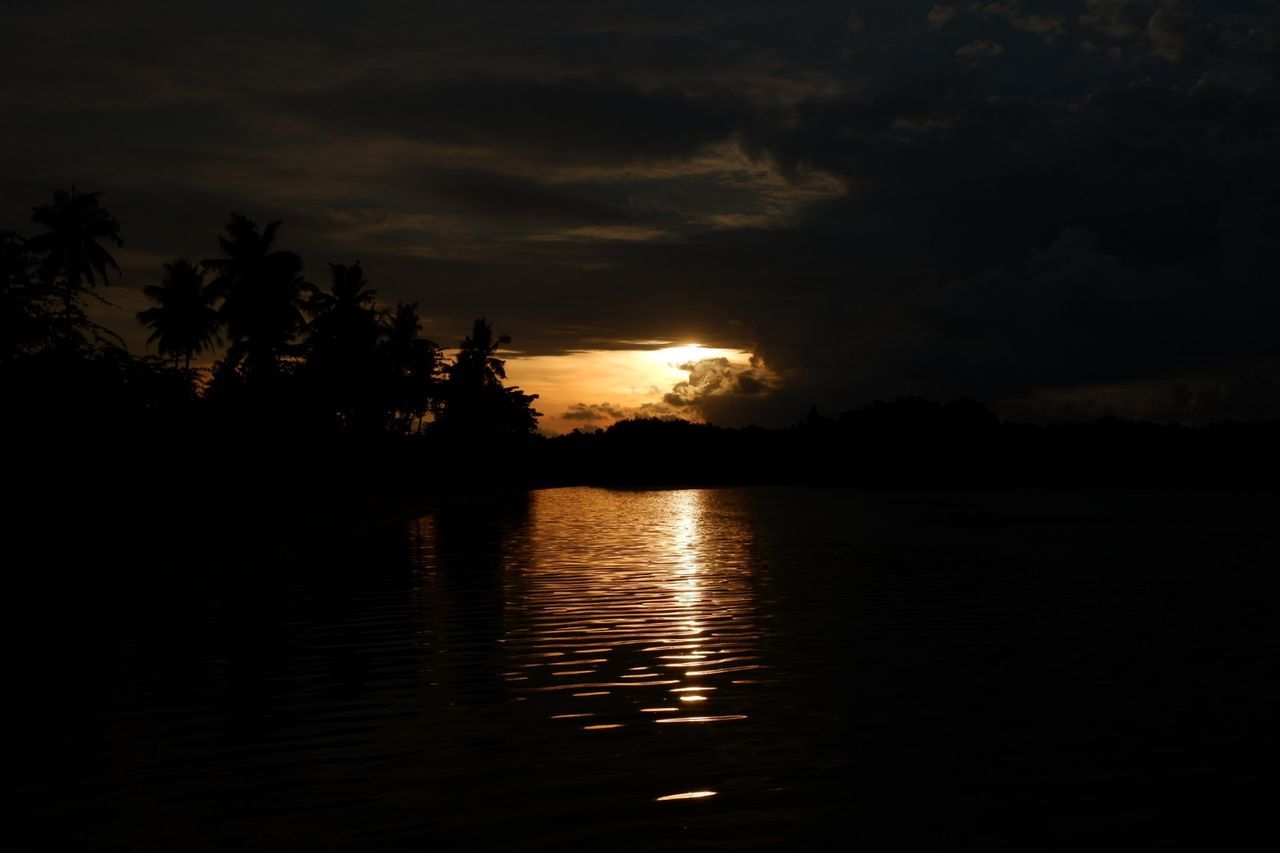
684,354
681,354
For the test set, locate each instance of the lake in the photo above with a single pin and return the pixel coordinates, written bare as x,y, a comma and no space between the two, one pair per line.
686,669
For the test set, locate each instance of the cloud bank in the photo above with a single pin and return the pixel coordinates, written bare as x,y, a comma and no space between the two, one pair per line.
1022,200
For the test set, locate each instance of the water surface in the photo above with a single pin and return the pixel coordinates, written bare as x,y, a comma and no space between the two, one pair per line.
593,669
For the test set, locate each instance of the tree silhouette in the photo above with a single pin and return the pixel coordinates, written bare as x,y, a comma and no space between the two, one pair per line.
23,313
73,259
477,362
348,295
184,321
415,365
475,400
344,364
345,324
263,295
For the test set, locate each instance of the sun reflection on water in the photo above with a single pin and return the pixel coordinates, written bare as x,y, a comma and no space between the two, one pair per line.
620,616
656,602
687,795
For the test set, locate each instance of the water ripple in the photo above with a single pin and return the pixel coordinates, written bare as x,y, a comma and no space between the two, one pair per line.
663,603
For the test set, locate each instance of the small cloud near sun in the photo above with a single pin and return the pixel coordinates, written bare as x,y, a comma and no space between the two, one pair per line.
719,376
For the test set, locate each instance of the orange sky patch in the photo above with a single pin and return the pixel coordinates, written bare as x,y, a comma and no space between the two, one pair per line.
630,381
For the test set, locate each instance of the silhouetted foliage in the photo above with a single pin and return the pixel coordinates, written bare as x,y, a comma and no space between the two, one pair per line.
184,321
73,260
264,296
345,366
474,398
24,311
415,369
313,386
912,443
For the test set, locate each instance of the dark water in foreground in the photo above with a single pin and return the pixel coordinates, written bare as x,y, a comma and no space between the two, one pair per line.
688,669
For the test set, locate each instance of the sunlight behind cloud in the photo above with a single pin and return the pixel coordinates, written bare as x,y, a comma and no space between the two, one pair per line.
593,388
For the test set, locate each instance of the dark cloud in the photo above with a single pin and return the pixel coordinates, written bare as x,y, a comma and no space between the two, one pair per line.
940,15
1119,19
1180,37
718,377
1046,24
594,413
580,120
590,415
979,51
1072,314
498,196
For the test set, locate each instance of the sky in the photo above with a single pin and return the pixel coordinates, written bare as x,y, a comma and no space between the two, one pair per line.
1059,208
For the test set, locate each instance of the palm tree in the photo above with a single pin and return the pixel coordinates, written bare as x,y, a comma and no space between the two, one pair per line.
184,321
404,325
475,401
348,293
477,362
345,369
344,318
415,365
263,295
73,259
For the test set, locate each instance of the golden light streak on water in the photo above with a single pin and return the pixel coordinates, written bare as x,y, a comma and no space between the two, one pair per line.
707,719
669,592
687,795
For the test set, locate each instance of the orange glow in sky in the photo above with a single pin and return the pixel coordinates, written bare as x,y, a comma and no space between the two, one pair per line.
628,382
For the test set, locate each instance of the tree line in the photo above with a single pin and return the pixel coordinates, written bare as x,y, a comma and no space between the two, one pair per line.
285,349
313,389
